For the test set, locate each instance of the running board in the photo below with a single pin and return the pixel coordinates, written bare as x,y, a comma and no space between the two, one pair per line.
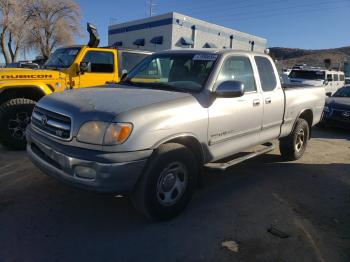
223,166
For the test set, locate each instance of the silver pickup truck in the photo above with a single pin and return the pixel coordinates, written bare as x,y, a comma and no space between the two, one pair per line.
174,113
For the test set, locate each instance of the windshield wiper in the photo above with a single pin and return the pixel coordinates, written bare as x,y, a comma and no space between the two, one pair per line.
156,86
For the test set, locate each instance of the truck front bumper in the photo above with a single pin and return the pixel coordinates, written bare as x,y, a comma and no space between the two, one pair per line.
108,176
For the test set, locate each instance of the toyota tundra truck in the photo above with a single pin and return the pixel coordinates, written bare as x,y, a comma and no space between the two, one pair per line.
174,114
67,68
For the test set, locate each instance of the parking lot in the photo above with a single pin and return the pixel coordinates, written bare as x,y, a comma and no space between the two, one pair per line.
308,200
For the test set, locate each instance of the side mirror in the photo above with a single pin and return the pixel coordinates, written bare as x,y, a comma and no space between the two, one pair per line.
230,89
329,94
85,67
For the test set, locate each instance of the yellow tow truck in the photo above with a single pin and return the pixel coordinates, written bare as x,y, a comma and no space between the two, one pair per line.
67,68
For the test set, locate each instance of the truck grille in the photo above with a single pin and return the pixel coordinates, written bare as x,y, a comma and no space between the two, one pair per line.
51,123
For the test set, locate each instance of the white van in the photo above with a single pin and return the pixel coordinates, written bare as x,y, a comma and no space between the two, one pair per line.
333,80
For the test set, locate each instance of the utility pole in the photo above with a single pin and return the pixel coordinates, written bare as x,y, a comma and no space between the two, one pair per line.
113,20
151,6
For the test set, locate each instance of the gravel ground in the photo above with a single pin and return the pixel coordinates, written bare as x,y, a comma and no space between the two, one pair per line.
308,200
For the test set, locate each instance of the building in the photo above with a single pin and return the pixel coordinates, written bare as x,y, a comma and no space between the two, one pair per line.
174,30
347,68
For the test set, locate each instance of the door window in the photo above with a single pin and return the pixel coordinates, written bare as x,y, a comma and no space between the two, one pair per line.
238,68
266,73
335,77
101,62
128,60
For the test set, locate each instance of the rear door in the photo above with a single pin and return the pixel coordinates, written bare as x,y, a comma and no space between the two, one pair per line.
273,98
235,123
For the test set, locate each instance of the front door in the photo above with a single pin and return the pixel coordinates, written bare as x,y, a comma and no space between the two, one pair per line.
235,123
102,69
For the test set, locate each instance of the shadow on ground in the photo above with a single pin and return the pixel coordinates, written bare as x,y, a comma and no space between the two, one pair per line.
41,219
331,133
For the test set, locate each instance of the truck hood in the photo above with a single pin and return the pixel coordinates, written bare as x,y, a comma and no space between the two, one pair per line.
28,74
341,103
104,103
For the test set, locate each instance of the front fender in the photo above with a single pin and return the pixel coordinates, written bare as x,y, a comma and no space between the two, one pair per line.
45,89
173,137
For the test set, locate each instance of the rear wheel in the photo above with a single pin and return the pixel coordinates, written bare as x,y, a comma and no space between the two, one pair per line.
14,117
293,146
168,182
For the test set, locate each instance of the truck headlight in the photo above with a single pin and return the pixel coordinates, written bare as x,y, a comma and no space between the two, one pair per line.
117,133
326,109
102,133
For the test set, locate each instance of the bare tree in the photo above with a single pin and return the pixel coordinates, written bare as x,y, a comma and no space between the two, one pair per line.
327,63
19,28
54,23
14,24
5,9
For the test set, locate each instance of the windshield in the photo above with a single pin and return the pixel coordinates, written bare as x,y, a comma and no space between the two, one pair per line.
180,72
308,75
342,92
62,57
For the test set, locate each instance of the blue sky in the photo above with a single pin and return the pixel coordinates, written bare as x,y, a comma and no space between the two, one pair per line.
307,24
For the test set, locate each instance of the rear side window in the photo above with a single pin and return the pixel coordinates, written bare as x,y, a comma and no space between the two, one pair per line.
335,77
238,68
101,62
266,73
341,77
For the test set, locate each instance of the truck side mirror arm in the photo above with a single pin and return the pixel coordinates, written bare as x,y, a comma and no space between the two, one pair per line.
84,67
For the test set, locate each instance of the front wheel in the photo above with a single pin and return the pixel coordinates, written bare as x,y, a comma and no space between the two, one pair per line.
14,117
168,182
292,147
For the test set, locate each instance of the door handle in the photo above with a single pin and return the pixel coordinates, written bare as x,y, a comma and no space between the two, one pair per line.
268,100
256,102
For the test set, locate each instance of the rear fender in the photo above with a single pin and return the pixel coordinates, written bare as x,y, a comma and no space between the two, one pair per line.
307,115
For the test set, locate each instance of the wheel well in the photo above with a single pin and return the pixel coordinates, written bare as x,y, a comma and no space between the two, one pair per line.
307,115
32,93
193,144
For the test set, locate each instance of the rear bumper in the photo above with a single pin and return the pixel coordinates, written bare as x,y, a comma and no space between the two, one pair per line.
109,177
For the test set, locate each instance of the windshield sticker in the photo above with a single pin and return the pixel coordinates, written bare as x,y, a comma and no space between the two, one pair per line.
205,57
73,52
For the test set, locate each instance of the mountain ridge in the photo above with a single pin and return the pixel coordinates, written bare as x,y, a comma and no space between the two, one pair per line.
312,57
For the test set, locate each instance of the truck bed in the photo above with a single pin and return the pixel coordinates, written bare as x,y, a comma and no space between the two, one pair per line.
299,98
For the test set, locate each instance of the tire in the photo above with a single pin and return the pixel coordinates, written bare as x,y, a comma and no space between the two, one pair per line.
294,145
14,117
156,194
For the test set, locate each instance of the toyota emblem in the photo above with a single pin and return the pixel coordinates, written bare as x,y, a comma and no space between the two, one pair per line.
346,114
44,120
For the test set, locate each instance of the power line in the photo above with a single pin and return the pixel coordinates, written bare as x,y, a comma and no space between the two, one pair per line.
204,6
281,14
259,12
